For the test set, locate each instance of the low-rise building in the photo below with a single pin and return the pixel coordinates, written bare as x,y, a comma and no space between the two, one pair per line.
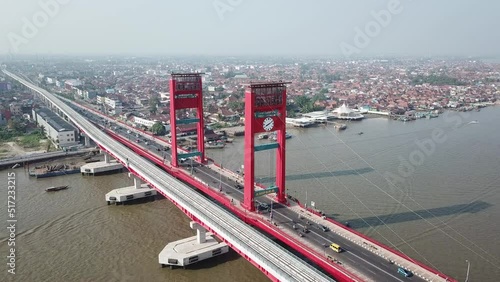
3,120
112,104
70,83
144,122
60,132
5,86
16,109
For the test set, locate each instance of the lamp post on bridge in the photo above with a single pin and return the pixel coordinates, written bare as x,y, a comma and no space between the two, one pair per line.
271,213
220,172
468,268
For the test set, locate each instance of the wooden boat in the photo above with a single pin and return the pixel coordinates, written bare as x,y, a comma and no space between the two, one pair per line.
340,126
56,188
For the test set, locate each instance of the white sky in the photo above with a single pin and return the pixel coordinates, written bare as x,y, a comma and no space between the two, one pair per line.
250,27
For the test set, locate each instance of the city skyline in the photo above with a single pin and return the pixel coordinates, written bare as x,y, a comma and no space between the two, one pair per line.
238,27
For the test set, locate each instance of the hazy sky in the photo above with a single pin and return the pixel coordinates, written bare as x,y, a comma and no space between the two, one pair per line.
251,27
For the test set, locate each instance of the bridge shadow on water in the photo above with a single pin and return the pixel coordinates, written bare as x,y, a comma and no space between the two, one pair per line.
472,207
141,201
304,176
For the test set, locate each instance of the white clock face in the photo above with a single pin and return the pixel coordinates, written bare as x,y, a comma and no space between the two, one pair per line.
268,124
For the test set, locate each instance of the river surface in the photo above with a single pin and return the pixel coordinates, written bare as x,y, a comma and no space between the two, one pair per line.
428,188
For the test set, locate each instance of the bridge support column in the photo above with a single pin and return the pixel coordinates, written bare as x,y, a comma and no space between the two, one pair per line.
265,111
200,232
87,141
137,181
186,92
106,158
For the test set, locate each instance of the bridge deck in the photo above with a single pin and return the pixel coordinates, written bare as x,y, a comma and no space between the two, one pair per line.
275,261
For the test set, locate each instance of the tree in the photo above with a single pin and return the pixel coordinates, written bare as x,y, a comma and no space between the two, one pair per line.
153,104
320,96
291,107
16,125
302,101
330,78
305,104
158,129
42,131
229,74
436,80
237,106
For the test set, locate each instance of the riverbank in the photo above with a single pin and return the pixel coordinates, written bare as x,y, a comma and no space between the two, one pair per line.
12,149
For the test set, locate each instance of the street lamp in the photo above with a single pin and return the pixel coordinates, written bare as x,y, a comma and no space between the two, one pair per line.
220,173
271,213
468,268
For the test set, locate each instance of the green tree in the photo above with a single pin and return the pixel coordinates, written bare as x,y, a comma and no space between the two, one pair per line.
42,131
229,74
329,78
16,125
320,96
153,104
305,104
158,129
291,107
436,80
237,106
302,101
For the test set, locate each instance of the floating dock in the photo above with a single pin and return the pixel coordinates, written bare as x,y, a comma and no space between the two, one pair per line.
44,174
126,194
191,250
101,168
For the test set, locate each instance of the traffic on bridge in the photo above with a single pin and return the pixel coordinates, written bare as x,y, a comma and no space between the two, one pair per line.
271,259
356,257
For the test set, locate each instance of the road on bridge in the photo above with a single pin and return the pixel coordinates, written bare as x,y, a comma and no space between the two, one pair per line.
355,258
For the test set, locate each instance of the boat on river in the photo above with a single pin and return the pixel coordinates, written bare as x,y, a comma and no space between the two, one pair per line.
56,188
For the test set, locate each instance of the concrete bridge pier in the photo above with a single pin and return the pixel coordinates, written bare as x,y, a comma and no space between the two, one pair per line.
137,181
106,158
131,193
193,249
200,232
87,141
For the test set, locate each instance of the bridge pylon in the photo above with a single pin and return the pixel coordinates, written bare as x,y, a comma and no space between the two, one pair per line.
265,111
186,92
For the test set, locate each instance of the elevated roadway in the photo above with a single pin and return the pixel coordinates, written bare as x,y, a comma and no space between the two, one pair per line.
271,259
301,229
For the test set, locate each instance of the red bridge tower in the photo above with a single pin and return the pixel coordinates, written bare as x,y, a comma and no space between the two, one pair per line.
265,111
186,93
